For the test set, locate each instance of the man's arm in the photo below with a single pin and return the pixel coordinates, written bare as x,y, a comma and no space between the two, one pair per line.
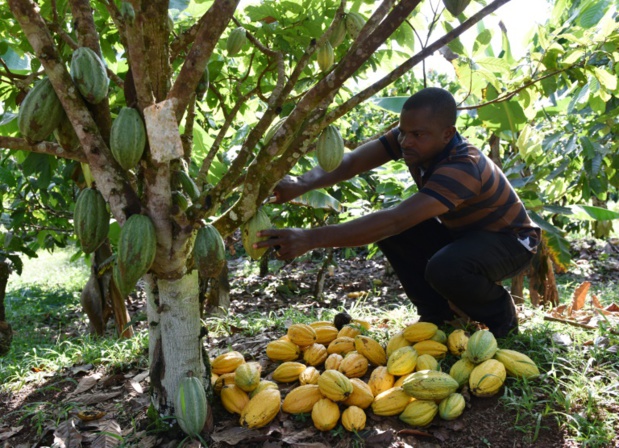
364,158
368,229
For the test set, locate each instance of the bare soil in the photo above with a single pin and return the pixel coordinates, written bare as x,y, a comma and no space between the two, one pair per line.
57,410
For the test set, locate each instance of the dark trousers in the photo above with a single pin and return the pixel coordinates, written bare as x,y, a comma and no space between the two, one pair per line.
434,267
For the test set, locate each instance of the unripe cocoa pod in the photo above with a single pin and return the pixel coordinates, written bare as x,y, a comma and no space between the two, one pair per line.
128,138
260,221
89,74
40,112
91,219
209,253
236,40
339,33
354,23
330,148
325,56
137,246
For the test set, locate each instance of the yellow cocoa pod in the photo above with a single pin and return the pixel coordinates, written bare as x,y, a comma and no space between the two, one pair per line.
325,414
457,341
325,334
214,377
261,409
301,334
361,395
309,376
419,412
517,364
315,354
349,330
372,350
361,323
282,350
487,378
321,323
341,345
391,402
264,384
429,385
481,346
452,407
400,381
302,399
402,361
234,399
335,385
223,380
380,380
325,56
353,419
354,365
288,372
431,348
397,341
427,362
247,376
333,361
419,331
227,362
461,371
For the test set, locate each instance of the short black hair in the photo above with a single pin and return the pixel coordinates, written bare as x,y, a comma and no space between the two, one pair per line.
441,103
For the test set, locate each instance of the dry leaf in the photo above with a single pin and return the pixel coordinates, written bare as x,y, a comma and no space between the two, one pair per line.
67,435
595,301
580,294
109,436
5,435
86,383
95,398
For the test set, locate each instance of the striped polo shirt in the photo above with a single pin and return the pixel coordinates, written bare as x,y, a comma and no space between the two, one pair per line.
473,187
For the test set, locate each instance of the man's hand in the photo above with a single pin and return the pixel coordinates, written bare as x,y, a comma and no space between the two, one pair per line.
287,189
289,243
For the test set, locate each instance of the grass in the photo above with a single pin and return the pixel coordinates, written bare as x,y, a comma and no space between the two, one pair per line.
579,386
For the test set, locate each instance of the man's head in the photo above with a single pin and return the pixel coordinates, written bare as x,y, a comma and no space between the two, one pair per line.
427,124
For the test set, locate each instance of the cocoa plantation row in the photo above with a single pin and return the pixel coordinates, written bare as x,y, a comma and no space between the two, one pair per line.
342,372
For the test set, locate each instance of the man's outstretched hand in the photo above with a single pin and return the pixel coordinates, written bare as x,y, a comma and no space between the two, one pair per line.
288,243
287,189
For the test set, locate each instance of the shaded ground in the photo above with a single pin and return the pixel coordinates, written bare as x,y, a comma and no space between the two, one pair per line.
51,412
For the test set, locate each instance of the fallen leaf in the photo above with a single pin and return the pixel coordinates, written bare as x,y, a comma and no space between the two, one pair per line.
579,296
86,383
7,434
109,436
234,435
67,435
595,301
95,398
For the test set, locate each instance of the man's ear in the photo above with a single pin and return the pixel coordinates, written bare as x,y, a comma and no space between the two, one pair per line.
449,133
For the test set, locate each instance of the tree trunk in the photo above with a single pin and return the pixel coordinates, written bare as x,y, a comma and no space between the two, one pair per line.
6,332
216,293
175,346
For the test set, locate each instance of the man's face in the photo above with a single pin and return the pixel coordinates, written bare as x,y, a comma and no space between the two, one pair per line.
422,137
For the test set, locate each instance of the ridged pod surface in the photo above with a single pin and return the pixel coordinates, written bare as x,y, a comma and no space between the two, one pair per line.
315,355
402,361
236,41
456,7
439,336
339,33
91,219
261,409
325,56
89,74
517,364
65,135
426,362
391,402
191,407
361,395
372,350
234,398
380,380
137,247
431,347
40,112
282,350
457,342
227,362
325,334
461,371
128,138
264,384
354,365
452,407
247,376
225,379
341,345
354,23
487,378
419,413
209,253
419,331
330,148
430,385
288,372
301,334
353,419
302,399
335,385
481,346
349,331
309,376
395,342
260,221
325,414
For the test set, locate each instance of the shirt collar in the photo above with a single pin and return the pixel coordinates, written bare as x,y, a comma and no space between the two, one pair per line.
455,140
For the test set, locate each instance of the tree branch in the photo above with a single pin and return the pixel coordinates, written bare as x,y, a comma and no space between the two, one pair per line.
50,148
137,59
213,24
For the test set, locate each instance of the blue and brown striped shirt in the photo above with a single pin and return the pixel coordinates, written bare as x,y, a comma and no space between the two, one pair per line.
473,187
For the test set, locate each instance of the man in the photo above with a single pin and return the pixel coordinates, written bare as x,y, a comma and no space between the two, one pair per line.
465,230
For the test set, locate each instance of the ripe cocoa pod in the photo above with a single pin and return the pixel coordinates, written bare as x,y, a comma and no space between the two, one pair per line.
236,40
40,112
91,219
128,138
89,74
330,148
260,221
354,23
325,56
209,253
137,246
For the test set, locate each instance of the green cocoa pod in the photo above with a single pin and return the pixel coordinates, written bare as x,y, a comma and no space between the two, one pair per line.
209,252
456,7
89,74
339,34
354,23
40,112
330,148
202,85
187,184
325,56
191,406
260,221
179,199
236,40
91,219
128,138
119,282
65,135
137,246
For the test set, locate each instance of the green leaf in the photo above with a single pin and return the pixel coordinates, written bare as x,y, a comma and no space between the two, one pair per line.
392,104
608,80
592,213
318,199
592,12
502,116
495,65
